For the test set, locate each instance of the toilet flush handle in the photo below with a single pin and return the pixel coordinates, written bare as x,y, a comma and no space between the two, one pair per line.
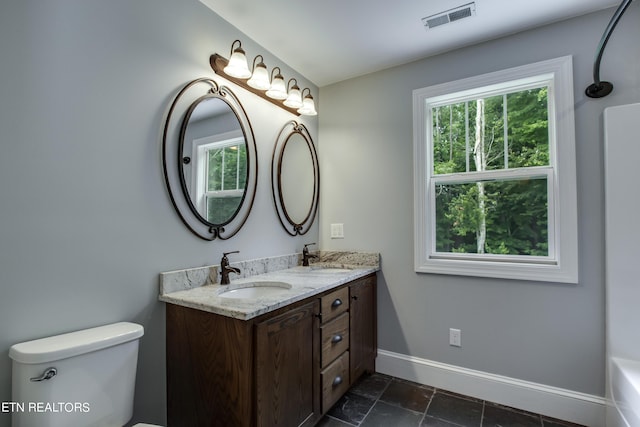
46,375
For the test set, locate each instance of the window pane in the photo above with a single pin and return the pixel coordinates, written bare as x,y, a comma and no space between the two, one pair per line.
220,209
214,169
242,172
528,128
470,136
487,141
449,138
493,217
230,171
227,168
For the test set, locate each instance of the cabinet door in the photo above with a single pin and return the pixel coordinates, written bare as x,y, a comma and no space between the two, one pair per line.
363,346
288,368
209,369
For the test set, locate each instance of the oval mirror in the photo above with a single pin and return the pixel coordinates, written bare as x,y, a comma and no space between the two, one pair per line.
216,161
295,178
213,161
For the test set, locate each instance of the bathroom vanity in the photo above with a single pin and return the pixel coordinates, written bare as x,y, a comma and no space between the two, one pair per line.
274,360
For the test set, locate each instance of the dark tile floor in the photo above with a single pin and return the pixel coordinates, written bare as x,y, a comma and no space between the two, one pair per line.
382,401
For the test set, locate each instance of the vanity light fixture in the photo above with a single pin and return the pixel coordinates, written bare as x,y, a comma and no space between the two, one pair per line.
237,66
278,90
308,106
258,82
294,98
260,76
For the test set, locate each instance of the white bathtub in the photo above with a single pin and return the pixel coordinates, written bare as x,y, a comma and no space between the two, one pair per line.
624,410
621,151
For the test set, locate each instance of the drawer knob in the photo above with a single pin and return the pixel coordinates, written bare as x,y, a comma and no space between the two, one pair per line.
337,381
336,303
336,339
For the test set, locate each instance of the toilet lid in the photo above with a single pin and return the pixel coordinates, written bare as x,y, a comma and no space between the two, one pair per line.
145,425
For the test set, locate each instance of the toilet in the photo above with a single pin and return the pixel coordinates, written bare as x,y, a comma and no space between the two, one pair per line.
79,379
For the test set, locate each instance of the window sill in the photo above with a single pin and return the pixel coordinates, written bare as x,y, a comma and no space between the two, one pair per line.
553,272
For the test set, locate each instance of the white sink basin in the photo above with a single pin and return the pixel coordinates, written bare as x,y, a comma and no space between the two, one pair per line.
256,290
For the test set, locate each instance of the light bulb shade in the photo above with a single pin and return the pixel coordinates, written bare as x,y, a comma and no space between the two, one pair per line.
294,99
260,78
237,66
308,107
278,90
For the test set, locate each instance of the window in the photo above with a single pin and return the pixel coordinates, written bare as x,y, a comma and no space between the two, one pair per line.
494,175
220,175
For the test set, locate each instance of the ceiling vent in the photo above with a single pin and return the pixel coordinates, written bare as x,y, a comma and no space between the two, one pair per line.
450,15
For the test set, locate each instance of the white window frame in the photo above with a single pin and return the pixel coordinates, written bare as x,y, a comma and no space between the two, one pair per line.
561,265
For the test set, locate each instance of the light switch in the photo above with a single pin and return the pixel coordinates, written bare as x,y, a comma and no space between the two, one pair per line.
337,231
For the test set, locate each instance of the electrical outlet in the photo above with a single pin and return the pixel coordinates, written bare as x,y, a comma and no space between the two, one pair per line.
337,231
455,337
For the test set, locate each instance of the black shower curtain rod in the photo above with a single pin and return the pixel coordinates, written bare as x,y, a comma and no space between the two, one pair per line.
601,89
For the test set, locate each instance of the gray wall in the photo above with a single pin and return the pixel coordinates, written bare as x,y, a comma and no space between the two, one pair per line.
543,332
86,223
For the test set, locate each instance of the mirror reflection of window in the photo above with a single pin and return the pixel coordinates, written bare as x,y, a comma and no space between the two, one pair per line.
226,173
220,175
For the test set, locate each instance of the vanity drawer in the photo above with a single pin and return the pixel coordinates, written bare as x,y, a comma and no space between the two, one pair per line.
334,304
335,381
335,338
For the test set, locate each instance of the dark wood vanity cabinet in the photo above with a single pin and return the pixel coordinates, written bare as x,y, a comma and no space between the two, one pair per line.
282,369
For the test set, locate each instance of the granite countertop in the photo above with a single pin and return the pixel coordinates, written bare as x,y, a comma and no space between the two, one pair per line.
332,270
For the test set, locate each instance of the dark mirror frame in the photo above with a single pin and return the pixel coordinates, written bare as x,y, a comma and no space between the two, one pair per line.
176,122
292,227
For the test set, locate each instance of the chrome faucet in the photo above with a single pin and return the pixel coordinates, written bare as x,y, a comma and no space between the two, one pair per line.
306,255
225,269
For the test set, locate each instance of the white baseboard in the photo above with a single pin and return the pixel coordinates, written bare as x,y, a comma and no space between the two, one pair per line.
568,405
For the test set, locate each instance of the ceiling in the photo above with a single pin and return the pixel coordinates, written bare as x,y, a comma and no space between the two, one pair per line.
328,41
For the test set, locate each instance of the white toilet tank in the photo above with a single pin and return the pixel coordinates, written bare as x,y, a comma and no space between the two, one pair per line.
80,379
